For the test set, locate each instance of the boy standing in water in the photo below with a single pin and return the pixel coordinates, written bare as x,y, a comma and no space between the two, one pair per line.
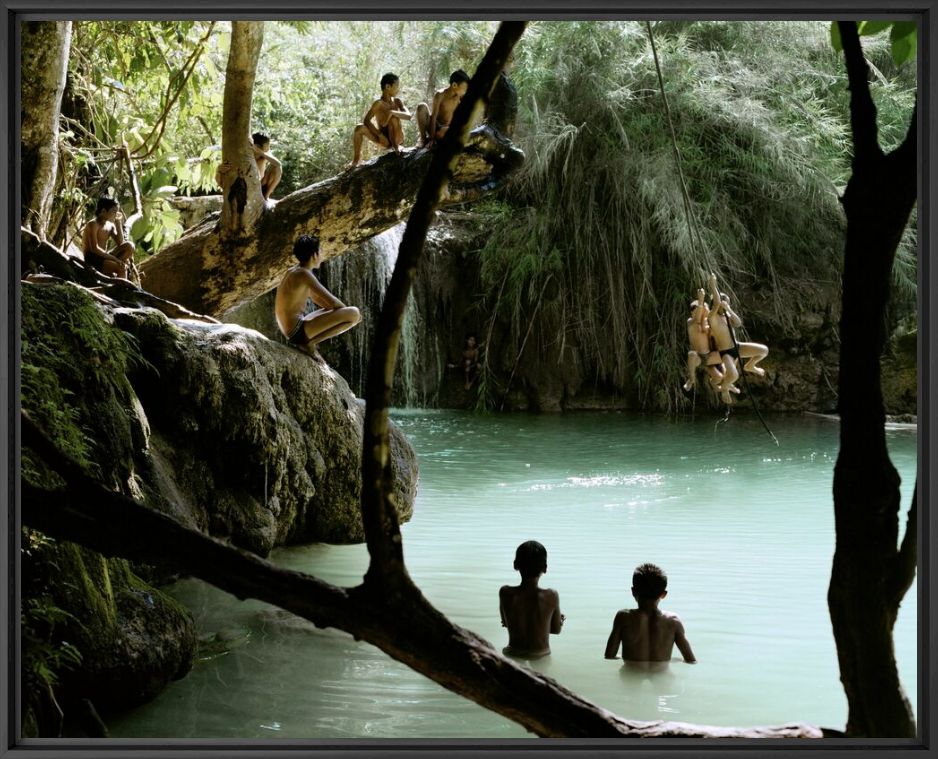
382,122
332,317
530,613
647,634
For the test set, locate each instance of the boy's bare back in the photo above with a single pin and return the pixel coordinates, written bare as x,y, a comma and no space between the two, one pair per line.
647,636
531,614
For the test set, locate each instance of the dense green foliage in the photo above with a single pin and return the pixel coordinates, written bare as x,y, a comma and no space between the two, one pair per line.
760,112
596,220
60,326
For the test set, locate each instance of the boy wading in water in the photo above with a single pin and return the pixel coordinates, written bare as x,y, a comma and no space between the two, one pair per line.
382,122
306,330
105,225
432,122
648,634
530,613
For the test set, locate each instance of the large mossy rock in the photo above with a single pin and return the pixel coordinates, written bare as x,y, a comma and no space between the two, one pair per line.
131,638
259,442
229,432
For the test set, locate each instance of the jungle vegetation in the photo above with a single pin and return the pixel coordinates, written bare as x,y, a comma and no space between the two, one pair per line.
755,152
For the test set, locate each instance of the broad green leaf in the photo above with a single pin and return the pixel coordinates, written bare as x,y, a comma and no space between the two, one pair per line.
873,27
903,49
835,37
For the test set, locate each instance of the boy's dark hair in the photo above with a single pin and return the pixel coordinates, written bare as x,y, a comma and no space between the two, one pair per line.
649,581
305,247
104,204
260,138
531,559
468,335
458,76
388,79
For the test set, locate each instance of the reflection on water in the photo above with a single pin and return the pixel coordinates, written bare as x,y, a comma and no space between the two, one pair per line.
743,528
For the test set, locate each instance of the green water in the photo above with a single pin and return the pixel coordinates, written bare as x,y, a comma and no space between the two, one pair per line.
743,528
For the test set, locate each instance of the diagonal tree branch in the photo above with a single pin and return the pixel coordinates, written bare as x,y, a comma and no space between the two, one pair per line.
410,630
379,516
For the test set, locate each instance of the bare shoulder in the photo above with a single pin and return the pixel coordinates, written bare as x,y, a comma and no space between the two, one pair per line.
505,590
551,595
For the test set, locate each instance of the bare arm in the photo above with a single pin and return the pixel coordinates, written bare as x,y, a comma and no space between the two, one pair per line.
615,637
715,292
682,643
273,160
732,316
501,604
437,99
117,228
89,240
400,110
321,296
556,619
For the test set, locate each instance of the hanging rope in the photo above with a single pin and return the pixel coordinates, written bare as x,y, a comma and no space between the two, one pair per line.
695,236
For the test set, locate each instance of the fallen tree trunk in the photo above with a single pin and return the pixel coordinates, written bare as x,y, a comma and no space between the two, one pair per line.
42,263
210,276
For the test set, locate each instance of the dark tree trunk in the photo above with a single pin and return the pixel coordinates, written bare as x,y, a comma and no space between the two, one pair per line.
343,211
870,574
45,46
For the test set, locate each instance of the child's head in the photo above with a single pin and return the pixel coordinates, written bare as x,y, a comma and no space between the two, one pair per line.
459,81
305,248
531,559
390,83
470,341
105,205
649,583
261,140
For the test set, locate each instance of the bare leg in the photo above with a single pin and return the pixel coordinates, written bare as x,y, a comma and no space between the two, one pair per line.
754,352
361,132
693,361
114,269
397,134
325,324
730,374
273,179
423,124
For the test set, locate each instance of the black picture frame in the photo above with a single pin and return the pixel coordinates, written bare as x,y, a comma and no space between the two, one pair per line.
923,11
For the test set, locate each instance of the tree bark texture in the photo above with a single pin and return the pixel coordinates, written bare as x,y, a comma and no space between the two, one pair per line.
343,211
45,47
869,575
241,184
379,516
405,627
43,263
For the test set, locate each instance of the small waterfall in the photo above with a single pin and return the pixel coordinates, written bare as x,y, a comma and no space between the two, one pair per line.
361,278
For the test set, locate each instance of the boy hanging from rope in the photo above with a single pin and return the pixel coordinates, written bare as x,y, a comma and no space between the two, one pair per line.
698,335
723,322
